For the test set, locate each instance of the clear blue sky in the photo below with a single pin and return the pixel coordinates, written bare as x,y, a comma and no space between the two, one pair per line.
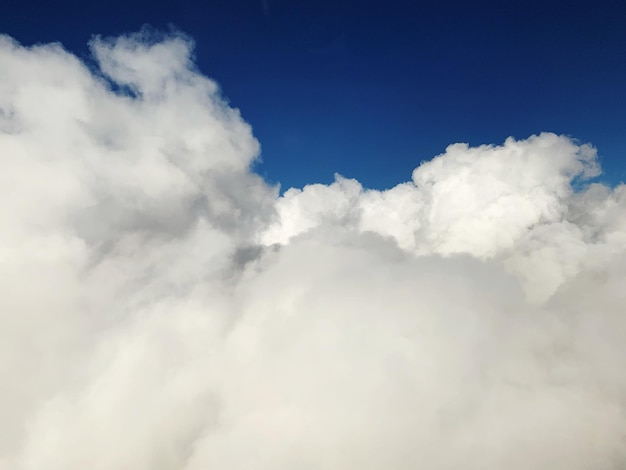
371,88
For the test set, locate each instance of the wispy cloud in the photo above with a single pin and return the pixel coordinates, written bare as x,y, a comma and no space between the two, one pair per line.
266,9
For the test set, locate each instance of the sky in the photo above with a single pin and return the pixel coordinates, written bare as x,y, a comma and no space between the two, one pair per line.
165,305
370,89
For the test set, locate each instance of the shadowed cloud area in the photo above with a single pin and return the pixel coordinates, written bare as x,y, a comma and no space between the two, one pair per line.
163,308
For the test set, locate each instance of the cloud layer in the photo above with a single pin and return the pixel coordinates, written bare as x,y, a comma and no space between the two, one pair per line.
163,308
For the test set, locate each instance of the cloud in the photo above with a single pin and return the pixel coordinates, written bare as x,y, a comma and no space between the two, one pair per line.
265,5
489,201
164,309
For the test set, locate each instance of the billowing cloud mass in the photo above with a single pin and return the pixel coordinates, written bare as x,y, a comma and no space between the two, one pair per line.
162,308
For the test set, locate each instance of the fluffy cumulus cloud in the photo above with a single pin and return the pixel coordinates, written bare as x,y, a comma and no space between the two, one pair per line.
162,308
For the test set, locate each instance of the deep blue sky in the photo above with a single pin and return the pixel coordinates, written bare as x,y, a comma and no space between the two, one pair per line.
371,88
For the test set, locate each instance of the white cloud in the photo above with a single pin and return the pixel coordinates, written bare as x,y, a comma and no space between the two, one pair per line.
163,309
490,202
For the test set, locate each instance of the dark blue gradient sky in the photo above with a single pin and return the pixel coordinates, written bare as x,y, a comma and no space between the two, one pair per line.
371,88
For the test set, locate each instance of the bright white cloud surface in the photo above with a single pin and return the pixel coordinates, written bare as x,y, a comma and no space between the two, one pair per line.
162,308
